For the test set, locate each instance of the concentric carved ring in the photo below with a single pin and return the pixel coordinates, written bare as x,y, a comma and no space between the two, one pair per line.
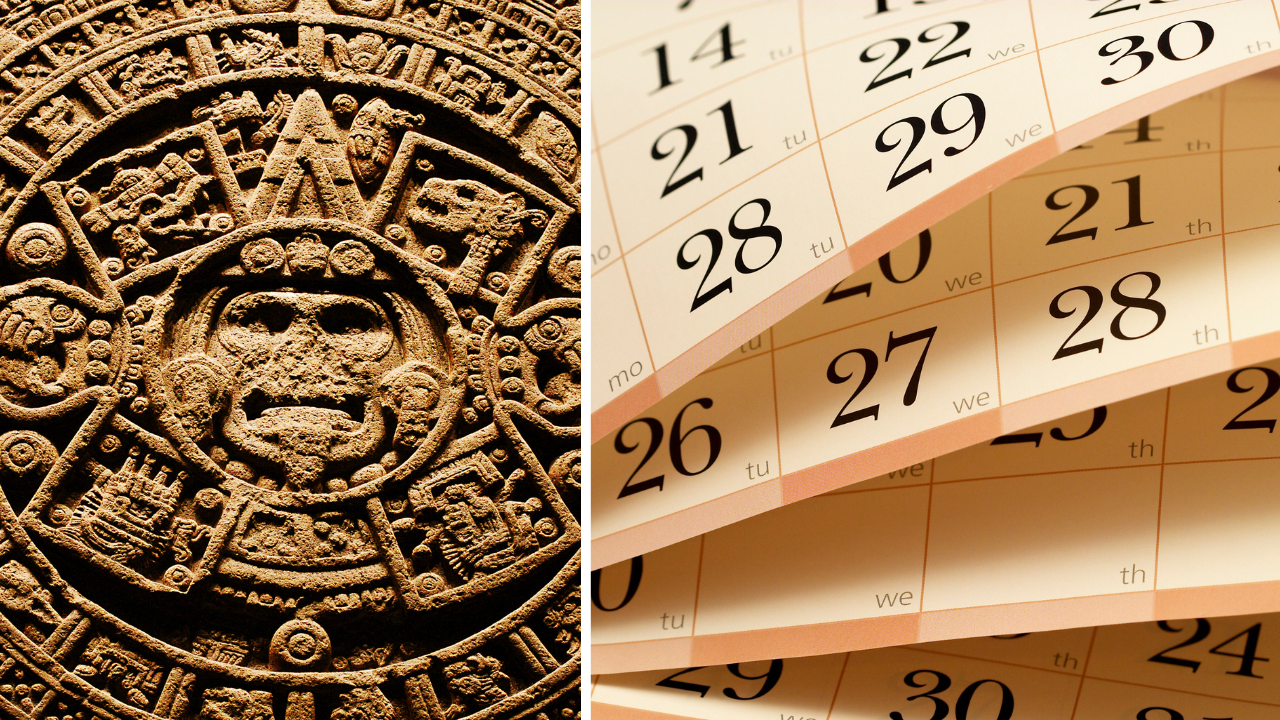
290,355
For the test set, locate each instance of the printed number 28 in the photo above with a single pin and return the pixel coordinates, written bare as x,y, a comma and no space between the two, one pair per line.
716,240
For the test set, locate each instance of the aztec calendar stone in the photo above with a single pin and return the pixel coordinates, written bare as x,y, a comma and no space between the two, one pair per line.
290,349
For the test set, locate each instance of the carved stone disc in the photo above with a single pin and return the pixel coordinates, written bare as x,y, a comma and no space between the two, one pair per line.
290,349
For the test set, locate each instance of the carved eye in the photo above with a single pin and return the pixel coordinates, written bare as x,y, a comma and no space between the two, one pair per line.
263,317
349,319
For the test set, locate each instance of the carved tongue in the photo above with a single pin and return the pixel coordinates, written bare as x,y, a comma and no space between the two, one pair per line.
307,417
307,437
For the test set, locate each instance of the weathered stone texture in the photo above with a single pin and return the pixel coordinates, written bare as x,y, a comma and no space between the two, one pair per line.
290,350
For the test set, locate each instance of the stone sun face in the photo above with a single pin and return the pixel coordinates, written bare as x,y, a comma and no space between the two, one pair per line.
306,368
289,360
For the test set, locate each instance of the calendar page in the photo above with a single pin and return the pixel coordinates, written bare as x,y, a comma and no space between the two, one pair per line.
1142,258
748,155
1195,669
1158,507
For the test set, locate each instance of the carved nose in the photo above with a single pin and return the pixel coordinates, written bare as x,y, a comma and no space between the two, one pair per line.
304,328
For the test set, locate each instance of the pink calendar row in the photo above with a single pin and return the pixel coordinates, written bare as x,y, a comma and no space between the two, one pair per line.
1158,507
1216,667
1144,259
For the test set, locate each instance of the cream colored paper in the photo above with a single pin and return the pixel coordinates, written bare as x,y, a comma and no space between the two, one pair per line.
1216,667
858,122
1158,507
1162,233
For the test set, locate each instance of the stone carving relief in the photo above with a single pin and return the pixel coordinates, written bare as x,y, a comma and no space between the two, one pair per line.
290,359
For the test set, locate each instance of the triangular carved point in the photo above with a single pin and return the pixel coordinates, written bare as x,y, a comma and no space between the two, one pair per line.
308,174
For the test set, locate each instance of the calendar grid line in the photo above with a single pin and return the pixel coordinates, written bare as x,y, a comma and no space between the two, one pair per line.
1250,229
1044,84
813,113
608,264
839,680
1076,168
613,221
697,590
1134,606
1247,149
1187,692
1138,22
1164,450
643,334
1017,603
1045,473
928,518
1049,473
1224,460
722,364
852,489
991,269
673,26
1083,676
777,421
1222,200
622,256
1072,266
882,317
1248,101
961,656
701,96
884,28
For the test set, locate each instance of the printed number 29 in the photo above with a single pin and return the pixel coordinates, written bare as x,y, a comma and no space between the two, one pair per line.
977,117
